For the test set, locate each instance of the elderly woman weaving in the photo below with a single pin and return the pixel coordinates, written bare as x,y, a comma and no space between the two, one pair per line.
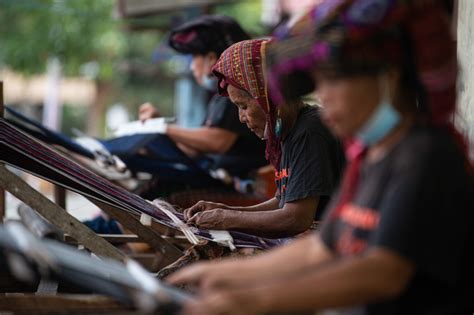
308,159
398,236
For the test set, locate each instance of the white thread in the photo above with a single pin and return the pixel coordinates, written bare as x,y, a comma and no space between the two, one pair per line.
167,209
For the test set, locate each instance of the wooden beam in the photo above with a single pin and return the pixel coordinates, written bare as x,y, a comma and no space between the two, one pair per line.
2,191
58,304
115,239
147,234
57,216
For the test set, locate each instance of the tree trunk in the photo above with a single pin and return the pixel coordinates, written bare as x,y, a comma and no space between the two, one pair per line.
95,121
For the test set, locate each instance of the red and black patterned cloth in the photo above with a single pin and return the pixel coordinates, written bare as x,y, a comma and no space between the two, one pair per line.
242,65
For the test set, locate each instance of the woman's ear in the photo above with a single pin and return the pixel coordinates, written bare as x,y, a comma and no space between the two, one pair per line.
393,80
212,57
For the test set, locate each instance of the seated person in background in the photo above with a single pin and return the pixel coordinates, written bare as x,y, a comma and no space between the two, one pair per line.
222,142
308,159
399,236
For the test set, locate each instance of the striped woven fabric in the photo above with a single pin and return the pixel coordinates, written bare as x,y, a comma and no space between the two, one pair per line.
26,153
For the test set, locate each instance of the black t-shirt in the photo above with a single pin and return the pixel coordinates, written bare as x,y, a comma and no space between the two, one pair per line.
311,163
417,202
248,152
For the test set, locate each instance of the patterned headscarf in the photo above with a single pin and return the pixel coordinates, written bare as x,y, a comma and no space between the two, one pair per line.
242,66
207,33
366,36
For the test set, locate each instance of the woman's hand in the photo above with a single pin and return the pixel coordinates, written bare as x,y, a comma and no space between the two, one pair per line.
215,219
202,206
219,302
223,274
221,289
147,111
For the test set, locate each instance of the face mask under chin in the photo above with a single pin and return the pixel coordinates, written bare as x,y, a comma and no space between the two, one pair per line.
384,119
209,82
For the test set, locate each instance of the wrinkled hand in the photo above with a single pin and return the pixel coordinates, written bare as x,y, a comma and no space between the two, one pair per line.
147,111
202,206
220,302
210,219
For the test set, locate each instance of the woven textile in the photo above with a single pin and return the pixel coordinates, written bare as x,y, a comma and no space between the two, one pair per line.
242,65
23,151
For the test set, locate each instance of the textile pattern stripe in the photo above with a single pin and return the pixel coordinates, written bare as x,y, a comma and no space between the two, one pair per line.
17,147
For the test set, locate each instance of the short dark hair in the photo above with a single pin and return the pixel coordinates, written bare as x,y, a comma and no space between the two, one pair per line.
207,33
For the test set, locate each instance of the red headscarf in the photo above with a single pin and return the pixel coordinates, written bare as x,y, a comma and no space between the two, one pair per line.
242,66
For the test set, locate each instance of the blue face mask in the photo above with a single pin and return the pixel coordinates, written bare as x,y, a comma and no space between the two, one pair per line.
383,121
209,82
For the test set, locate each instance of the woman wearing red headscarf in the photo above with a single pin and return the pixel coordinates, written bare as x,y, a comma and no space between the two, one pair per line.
307,158
398,236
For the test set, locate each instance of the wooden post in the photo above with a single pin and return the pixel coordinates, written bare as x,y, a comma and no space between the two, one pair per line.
465,41
57,216
59,196
2,192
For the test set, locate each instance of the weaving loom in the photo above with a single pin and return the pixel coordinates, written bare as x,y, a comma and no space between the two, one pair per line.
106,151
28,258
28,154
120,156
47,135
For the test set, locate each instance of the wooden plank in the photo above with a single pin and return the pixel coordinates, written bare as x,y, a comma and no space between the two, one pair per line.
122,238
56,303
132,223
2,191
111,238
57,216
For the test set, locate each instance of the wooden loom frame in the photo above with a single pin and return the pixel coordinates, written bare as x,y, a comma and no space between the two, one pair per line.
55,213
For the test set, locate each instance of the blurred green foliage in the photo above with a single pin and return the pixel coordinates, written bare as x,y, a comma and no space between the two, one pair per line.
82,31
247,12
75,31
89,41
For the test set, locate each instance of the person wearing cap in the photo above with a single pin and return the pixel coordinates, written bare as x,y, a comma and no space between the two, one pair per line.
398,235
307,158
221,142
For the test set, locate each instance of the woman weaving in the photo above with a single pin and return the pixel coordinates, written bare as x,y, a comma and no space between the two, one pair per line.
398,236
308,159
